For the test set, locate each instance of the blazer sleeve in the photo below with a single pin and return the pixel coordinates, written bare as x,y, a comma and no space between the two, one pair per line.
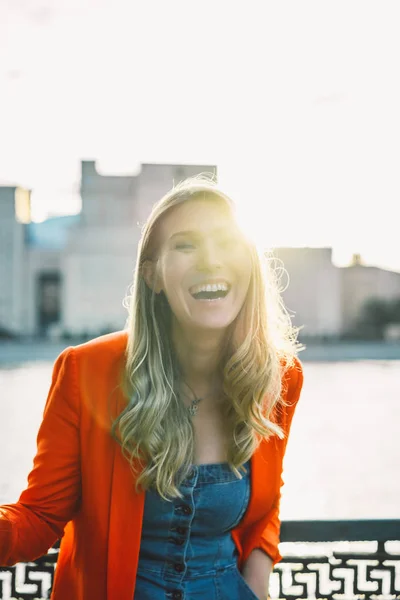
30,527
270,537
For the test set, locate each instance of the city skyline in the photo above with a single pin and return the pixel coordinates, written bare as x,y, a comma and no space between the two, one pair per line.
300,115
71,274
249,221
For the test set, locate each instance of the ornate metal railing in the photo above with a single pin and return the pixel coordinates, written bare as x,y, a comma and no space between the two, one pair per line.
339,560
322,560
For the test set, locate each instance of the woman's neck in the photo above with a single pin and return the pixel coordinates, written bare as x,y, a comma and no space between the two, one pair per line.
199,355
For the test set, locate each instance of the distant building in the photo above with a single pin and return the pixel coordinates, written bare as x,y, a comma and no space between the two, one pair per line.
328,300
70,274
313,290
361,283
14,213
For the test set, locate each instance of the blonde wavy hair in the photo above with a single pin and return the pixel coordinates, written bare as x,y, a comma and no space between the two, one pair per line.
155,428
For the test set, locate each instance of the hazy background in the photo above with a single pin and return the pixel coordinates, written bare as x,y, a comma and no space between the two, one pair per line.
296,102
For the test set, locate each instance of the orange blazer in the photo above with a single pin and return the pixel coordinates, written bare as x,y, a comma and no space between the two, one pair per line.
81,487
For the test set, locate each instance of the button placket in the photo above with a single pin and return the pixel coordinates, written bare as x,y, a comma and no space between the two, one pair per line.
179,531
175,595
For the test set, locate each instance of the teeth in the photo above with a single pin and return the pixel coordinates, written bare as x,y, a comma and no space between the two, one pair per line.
209,287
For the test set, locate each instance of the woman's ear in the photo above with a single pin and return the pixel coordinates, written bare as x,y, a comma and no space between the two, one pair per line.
150,275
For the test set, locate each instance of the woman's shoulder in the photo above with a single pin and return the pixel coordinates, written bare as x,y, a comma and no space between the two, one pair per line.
292,383
294,371
292,379
92,372
114,343
98,360
291,366
103,348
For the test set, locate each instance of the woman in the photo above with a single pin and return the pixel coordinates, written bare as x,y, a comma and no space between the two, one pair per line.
160,453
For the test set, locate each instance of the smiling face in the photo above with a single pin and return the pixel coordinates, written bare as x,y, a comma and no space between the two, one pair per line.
204,264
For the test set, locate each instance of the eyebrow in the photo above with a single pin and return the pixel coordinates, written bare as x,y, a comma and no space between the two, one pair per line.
196,232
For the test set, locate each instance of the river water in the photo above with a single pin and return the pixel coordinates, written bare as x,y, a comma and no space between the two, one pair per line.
343,455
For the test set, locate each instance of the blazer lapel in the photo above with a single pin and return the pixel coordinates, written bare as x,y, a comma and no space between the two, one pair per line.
125,525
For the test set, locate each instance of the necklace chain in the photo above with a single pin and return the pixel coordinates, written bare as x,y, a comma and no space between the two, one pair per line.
194,406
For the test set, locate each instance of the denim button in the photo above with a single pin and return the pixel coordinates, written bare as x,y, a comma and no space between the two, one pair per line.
177,541
181,530
175,594
185,509
179,567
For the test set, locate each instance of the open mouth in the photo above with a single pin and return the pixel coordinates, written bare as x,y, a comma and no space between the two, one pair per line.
210,295
210,291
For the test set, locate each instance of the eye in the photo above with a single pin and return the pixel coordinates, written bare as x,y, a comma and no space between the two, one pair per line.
184,246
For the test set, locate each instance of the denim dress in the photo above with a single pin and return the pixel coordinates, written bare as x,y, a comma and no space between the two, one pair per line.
187,551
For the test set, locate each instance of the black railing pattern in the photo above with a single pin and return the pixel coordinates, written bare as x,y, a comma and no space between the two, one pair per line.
328,574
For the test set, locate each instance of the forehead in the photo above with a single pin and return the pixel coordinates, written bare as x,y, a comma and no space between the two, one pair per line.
196,215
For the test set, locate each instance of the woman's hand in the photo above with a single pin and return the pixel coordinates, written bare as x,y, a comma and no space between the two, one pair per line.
256,571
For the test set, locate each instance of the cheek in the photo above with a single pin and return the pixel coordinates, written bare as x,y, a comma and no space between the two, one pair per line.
243,266
174,270
245,286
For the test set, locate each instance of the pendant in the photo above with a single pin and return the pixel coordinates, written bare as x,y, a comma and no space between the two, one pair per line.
193,408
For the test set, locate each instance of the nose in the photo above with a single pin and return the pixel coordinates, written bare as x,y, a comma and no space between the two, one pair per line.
209,256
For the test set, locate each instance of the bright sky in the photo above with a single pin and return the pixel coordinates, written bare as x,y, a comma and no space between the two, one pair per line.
296,102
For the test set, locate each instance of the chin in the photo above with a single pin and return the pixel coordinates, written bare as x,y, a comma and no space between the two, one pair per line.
212,325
